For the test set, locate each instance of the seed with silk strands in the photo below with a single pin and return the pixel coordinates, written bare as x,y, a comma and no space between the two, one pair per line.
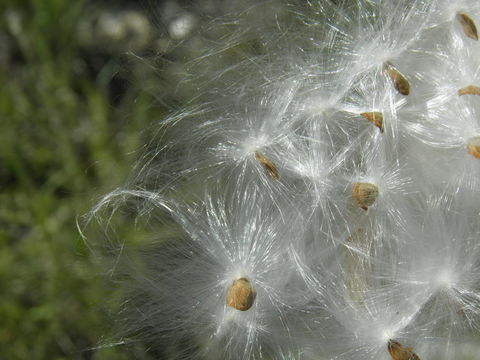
241,295
399,80
364,194
268,165
469,90
375,117
399,352
473,146
468,25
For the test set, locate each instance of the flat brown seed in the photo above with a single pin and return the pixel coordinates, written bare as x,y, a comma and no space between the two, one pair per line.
468,25
375,117
469,90
364,194
268,165
473,146
399,81
241,295
399,352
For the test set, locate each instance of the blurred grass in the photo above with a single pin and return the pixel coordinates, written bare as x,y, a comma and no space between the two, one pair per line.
63,142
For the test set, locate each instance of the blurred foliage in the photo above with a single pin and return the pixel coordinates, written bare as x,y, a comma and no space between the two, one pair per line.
69,117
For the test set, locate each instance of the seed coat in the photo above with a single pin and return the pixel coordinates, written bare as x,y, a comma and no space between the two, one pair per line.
473,146
468,25
399,352
375,117
364,194
469,90
268,165
241,295
399,80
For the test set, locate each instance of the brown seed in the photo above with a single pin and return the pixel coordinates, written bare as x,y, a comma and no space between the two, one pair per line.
468,25
375,117
241,295
269,166
398,79
473,146
364,194
469,90
399,352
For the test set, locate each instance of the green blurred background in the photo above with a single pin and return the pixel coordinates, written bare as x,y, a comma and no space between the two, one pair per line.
81,85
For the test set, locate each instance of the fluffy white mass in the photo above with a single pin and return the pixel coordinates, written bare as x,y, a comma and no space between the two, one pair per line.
322,201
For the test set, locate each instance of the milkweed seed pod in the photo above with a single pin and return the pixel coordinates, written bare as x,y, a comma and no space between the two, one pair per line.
399,80
469,90
375,117
399,352
473,146
241,295
468,25
364,194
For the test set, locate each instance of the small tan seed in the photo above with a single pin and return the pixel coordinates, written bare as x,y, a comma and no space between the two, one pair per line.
364,194
468,25
241,295
269,166
375,117
469,90
473,146
399,81
399,352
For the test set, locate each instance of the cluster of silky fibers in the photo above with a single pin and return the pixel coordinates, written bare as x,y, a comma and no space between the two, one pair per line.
319,198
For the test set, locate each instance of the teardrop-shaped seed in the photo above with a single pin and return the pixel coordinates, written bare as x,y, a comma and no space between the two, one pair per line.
364,194
268,165
468,25
399,81
469,90
473,146
241,295
399,352
375,117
